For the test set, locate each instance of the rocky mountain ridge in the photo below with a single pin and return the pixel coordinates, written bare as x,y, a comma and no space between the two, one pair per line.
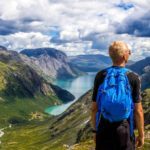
23,90
142,67
51,62
21,79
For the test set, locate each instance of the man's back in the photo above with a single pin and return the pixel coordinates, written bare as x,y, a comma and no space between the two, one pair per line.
134,81
116,136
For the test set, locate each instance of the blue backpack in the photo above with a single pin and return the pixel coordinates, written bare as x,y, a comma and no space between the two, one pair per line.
114,98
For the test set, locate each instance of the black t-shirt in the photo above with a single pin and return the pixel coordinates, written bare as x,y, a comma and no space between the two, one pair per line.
134,80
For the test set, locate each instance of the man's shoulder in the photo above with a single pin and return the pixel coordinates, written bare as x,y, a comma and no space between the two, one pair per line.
132,74
101,73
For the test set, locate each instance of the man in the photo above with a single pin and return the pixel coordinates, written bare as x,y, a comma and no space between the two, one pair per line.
116,136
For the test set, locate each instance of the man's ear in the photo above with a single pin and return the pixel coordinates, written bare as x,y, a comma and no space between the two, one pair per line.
124,58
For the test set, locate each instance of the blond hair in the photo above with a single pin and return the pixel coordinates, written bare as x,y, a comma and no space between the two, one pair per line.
117,50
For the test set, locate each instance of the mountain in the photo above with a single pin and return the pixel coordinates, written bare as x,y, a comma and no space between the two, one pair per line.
22,90
90,63
51,62
146,77
146,106
53,132
19,79
142,67
3,48
70,130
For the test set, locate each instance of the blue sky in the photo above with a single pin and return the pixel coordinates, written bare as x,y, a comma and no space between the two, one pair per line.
76,26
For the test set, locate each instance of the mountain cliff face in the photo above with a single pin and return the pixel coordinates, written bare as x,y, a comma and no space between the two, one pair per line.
51,62
22,90
142,67
19,79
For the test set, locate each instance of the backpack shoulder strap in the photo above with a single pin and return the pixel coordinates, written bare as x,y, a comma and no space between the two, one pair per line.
123,69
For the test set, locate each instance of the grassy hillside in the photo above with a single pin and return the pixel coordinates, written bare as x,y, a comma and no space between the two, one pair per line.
23,97
21,111
50,134
68,130
23,93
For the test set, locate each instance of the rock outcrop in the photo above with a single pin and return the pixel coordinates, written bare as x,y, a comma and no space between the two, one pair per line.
51,62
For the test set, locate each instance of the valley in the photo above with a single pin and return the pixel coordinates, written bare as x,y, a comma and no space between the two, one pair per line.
42,111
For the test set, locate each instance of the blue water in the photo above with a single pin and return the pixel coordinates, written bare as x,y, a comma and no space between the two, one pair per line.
77,87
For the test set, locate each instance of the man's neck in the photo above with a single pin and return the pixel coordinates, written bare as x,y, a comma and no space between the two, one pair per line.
119,65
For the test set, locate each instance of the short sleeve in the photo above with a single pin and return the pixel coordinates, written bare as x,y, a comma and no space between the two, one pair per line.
136,92
99,78
95,89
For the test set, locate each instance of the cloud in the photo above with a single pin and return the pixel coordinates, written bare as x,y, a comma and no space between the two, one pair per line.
23,40
25,25
138,26
69,34
7,27
84,15
140,46
74,26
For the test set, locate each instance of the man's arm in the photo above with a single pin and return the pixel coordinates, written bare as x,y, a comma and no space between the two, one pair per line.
139,119
94,109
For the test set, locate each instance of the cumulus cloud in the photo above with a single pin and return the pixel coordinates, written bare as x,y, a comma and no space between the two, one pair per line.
23,40
138,26
75,26
84,15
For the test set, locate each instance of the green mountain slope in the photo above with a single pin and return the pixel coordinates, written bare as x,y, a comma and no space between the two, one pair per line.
68,130
23,97
50,134
23,93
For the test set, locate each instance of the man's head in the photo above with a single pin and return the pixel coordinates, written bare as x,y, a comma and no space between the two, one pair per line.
119,52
